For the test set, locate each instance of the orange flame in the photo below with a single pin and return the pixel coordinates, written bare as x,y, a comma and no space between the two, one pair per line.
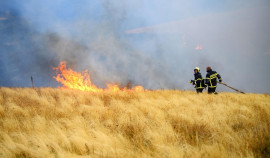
138,88
198,47
113,87
82,81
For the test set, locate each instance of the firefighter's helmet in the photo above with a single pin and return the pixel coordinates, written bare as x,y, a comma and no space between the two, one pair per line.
197,68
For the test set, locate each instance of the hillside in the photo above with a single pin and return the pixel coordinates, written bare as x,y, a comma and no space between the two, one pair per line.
50,122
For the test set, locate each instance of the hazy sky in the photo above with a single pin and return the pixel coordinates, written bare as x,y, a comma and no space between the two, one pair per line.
152,43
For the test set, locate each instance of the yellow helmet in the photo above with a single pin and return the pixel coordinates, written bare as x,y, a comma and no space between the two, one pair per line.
197,68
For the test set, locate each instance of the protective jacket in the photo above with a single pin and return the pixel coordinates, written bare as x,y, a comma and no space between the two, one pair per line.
199,81
211,78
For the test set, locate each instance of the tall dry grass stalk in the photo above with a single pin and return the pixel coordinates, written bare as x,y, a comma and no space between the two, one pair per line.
166,123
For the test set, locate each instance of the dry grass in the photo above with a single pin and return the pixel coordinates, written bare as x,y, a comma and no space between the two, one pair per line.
169,123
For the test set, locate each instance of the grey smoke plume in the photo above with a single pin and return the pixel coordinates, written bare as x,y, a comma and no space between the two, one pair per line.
100,49
235,43
23,53
116,49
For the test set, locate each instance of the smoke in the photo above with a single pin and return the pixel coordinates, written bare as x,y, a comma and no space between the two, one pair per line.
22,53
235,44
130,42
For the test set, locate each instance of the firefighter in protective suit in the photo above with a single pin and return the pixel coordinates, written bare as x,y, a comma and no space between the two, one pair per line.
198,81
211,80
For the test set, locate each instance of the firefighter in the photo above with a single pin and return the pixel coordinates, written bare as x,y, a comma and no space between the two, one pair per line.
211,80
198,81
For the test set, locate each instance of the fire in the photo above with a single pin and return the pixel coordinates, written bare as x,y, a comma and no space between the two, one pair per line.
138,88
74,80
198,47
82,81
113,87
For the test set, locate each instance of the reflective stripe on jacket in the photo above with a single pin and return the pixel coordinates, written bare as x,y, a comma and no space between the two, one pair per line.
199,81
211,78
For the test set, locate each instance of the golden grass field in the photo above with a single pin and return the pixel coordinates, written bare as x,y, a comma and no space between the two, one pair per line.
50,122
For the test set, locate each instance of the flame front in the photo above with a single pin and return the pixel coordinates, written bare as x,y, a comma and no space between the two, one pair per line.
82,81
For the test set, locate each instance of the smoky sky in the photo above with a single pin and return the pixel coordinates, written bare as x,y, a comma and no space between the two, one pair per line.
148,43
